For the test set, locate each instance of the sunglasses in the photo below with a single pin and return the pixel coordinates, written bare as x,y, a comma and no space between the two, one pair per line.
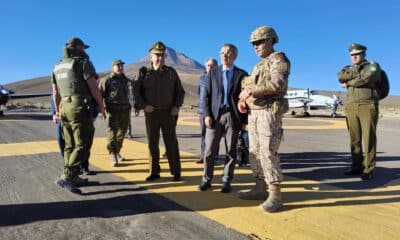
259,42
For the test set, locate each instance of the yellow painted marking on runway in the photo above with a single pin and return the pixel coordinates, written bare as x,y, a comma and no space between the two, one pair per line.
326,123
28,148
312,210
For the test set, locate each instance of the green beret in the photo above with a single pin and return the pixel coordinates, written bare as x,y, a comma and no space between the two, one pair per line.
117,62
74,42
158,47
356,48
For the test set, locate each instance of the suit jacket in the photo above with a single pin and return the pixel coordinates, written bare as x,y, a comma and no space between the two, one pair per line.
211,100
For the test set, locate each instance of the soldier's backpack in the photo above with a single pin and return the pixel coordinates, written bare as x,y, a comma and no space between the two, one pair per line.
383,85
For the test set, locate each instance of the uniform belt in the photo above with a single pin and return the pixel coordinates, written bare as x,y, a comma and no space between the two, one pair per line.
77,97
225,109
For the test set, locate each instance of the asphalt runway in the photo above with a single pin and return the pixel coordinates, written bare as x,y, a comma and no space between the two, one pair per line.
319,201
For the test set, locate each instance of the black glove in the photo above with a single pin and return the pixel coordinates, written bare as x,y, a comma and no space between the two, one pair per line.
142,72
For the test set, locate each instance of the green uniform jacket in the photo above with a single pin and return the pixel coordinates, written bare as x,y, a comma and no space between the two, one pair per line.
160,88
361,81
115,90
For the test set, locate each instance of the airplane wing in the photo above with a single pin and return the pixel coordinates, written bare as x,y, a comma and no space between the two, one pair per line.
20,96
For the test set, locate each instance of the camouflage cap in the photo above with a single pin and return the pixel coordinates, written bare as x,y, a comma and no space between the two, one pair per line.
74,42
117,61
158,47
356,48
263,32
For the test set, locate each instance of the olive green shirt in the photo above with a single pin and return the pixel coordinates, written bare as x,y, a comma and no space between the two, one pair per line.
160,88
361,81
115,89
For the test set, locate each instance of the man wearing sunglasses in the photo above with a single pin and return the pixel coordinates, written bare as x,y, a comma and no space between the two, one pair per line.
361,80
263,98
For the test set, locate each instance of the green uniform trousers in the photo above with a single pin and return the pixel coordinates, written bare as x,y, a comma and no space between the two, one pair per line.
77,128
118,118
362,119
162,119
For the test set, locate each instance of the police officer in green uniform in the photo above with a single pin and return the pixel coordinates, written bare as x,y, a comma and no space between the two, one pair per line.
115,91
74,90
361,79
159,92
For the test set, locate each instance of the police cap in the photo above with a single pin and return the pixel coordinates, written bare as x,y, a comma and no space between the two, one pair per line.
117,61
74,42
158,47
357,48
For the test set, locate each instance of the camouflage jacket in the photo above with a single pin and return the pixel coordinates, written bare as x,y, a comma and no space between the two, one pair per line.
160,88
268,82
361,82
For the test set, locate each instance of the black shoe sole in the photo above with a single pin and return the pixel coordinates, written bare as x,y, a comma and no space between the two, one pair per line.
176,179
61,184
366,177
204,187
152,178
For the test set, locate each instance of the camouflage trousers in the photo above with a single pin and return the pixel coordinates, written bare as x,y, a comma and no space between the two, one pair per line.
265,134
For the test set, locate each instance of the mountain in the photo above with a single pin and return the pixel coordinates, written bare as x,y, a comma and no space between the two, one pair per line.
188,70
175,59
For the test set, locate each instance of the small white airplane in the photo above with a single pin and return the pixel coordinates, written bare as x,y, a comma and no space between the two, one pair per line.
7,94
311,100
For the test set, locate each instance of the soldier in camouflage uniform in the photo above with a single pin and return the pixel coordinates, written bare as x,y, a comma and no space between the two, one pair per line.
263,97
361,80
74,91
159,92
115,92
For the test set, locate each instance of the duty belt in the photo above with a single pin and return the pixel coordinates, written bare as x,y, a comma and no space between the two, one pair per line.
225,109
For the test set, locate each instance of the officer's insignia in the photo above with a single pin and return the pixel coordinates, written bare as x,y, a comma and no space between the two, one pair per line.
372,68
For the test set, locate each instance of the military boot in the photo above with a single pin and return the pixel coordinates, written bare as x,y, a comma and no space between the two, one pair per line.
274,201
120,158
258,192
68,184
80,181
114,159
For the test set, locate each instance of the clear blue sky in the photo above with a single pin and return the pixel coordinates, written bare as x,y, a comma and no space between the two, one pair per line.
314,34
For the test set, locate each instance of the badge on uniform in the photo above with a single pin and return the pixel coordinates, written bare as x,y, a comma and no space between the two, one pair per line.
372,68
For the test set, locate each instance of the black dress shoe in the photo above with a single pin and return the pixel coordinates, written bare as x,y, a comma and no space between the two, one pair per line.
353,172
366,176
87,172
226,188
204,186
152,177
200,161
176,178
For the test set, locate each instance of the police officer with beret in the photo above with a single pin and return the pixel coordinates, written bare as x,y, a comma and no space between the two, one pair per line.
115,91
74,93
159,92
361,80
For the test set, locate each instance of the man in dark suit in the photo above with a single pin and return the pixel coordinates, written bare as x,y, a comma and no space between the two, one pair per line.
223,86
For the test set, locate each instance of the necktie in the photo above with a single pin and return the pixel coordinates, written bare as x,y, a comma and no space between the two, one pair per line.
225,82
